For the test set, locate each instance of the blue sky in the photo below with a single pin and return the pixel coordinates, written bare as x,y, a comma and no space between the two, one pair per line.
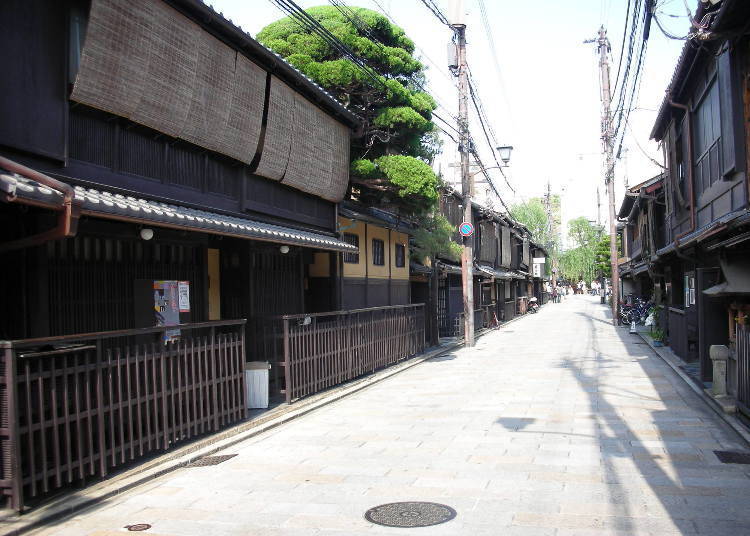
545,99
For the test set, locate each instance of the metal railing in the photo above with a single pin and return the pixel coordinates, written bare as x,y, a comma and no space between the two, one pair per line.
74,407
325,349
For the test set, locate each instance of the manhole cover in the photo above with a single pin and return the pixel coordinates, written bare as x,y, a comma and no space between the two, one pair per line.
138,527
210,460
410,514
726,456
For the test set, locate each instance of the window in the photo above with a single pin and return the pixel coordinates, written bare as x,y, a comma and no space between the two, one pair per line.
77,35
400,255
352,240
708,166
378,252
689,289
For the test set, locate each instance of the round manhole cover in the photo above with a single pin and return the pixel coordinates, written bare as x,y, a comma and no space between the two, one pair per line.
138,527
410,514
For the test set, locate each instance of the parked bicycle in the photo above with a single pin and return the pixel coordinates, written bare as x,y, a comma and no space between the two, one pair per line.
637,310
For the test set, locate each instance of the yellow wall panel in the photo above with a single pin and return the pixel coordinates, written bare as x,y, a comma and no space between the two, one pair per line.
321,265
402,272
214,285
374,271
358,228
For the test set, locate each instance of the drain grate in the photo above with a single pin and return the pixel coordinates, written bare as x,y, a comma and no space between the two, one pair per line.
210,460
410,514
726,456
138,527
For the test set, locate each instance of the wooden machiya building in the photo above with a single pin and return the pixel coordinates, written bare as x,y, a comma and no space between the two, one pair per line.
702,264
503,277
158,167
378,274
642,234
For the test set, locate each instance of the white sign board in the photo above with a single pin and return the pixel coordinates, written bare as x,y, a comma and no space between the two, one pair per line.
183,295
537,269
540,260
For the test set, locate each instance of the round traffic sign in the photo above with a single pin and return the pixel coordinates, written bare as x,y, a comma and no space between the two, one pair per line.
466,229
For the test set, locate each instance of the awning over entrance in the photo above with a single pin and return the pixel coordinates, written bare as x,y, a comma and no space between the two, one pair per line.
449,268
110,205
737,279
498,274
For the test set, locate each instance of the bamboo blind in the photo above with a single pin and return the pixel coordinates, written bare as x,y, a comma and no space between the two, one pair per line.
278,139
319,160
145,61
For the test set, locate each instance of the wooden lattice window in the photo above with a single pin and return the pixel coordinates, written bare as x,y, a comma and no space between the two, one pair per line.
378,252
353,240
400,255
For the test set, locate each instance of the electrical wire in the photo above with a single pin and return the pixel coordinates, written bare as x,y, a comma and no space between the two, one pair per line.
312,25
436,11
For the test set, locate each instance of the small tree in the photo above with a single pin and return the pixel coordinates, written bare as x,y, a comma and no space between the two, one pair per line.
390,159
533,216
432,239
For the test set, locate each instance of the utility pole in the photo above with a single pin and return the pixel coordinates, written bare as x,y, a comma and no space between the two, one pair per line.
609,166
550,232
467,182
598,207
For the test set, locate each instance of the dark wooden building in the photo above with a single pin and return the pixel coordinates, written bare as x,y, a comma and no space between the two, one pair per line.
642,234
702,262
157,166
503,279
160,115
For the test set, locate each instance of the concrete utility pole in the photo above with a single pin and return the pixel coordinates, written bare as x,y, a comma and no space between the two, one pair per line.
609,166
467,182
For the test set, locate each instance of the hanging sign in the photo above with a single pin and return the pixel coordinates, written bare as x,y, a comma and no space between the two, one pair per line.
183,295
466,229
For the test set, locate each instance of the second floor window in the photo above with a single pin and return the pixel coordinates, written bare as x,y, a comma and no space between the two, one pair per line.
353,240
378,252
400,255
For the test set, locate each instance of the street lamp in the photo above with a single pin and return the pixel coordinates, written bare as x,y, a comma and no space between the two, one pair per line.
504,152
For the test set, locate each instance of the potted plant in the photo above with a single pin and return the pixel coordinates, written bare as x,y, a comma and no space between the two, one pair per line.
657,334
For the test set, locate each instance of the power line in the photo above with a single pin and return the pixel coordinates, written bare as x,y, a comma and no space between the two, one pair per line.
436,11
478,109
421,50
312,25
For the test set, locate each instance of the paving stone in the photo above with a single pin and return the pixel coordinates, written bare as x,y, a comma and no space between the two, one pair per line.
584,435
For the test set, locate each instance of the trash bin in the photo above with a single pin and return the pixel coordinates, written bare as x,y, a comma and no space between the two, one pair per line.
256,384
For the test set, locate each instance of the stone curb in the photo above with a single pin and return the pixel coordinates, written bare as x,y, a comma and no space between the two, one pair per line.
72,503
731,420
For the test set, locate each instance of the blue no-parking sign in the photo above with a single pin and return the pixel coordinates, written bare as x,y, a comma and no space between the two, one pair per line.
466,229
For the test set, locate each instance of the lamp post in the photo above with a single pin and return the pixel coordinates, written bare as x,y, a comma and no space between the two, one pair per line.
467,257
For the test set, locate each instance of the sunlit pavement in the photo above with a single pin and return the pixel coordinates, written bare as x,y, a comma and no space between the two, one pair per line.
558,424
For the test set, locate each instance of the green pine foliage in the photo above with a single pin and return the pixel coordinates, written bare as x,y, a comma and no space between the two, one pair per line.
432,238
390,159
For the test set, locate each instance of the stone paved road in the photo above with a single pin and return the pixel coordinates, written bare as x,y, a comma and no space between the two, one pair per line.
559,424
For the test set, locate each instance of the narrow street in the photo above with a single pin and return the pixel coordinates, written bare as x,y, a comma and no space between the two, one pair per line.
558,424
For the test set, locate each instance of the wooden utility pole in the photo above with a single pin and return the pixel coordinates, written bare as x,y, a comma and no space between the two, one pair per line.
467,182
609,166
550,232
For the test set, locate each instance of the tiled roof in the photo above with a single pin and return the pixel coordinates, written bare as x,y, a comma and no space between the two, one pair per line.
106,204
